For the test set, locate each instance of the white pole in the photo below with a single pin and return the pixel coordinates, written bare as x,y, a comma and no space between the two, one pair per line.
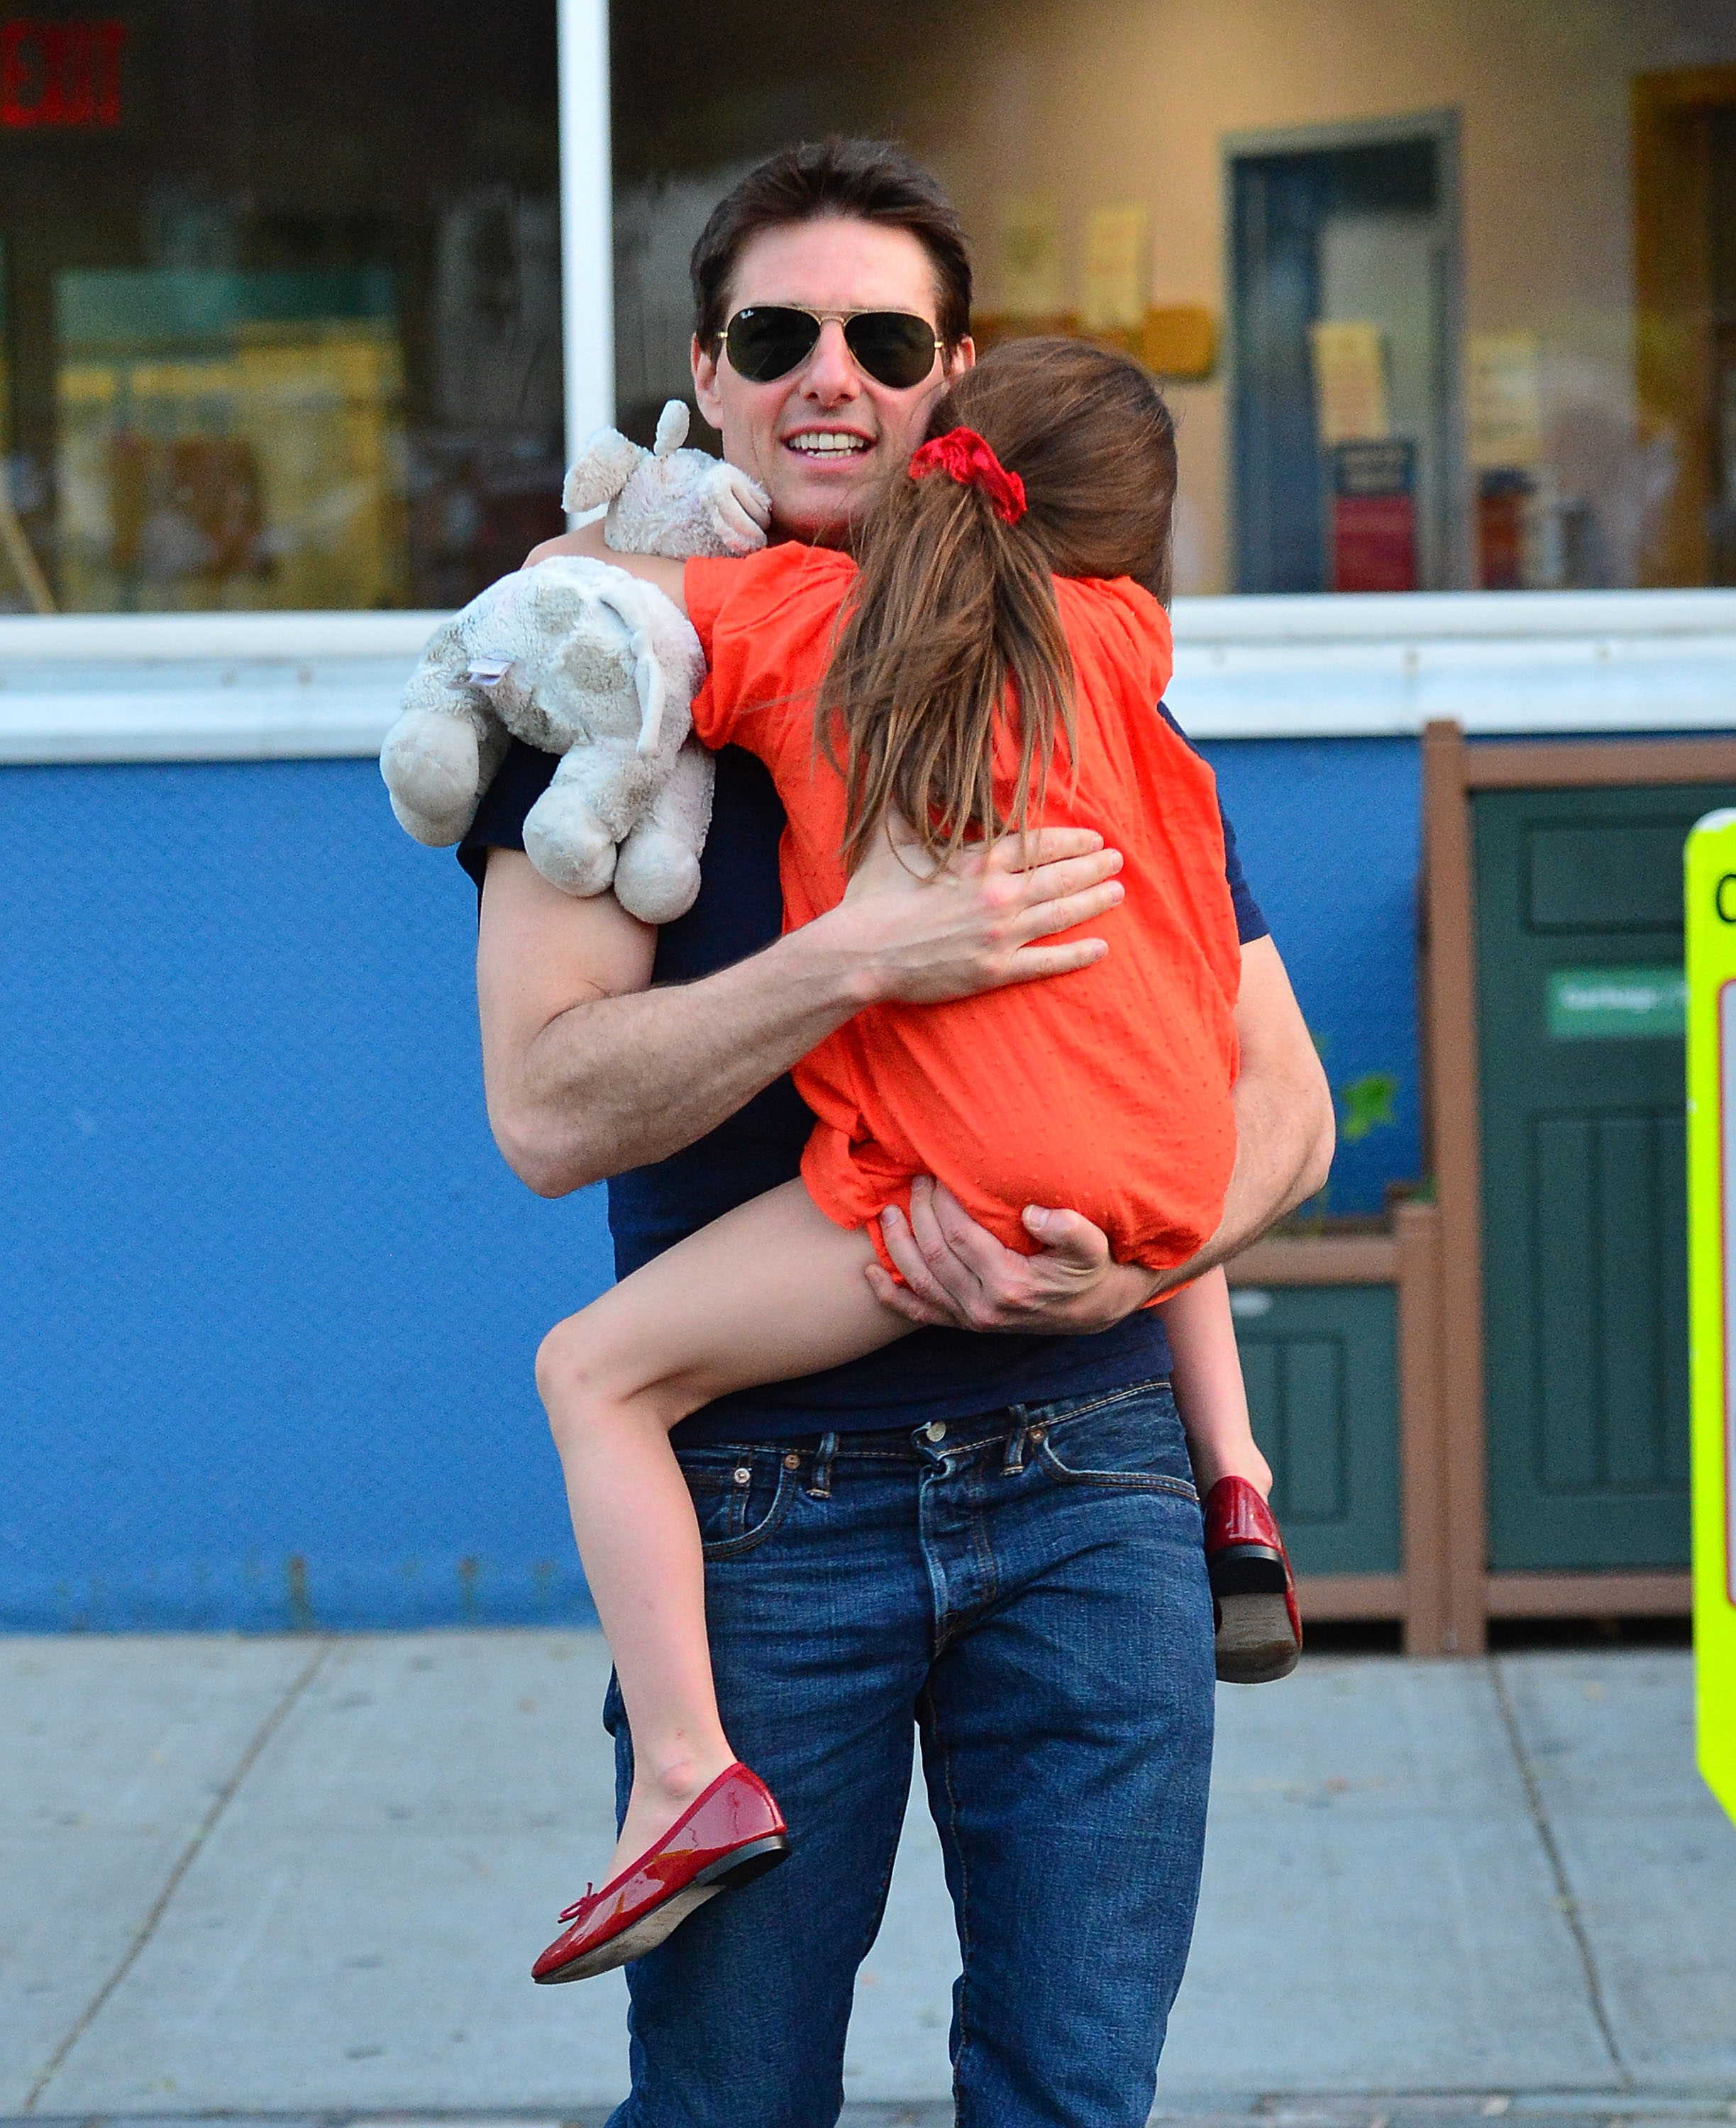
586,225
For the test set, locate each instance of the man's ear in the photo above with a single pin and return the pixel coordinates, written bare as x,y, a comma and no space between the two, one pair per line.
704,383
962,357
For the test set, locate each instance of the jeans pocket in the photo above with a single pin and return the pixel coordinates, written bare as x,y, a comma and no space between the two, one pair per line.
1130,1440
740,1496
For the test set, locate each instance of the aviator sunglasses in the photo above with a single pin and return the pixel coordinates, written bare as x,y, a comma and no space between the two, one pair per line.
769,340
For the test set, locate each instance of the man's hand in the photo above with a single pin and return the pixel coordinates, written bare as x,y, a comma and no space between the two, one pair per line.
958,1276
924,935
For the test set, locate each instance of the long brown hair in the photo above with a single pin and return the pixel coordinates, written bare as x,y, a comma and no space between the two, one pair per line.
952,621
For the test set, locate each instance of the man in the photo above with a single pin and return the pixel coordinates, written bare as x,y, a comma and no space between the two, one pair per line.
992,1536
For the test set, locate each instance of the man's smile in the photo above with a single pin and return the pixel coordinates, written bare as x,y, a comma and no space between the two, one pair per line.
835,443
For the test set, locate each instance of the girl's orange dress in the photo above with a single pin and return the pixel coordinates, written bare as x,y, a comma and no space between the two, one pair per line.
1106,1091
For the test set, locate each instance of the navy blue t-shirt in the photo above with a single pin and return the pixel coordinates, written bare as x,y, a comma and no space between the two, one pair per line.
931,1373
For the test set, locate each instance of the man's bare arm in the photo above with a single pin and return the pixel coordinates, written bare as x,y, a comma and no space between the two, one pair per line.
957,1274
588,1072
1286,1130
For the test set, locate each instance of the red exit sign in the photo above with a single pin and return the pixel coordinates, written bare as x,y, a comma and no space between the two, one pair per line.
64,76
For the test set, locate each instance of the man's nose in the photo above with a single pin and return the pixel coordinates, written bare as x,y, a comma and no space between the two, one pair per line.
831,373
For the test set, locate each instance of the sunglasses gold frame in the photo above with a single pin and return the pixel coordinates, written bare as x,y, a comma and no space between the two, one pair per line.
822,319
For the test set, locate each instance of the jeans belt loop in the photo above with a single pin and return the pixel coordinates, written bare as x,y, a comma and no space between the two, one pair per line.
1014,1461
821,1488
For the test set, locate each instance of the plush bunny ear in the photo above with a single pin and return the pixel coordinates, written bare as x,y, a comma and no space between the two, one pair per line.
648,677
624,600
672,429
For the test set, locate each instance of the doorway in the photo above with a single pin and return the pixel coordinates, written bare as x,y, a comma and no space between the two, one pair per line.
1343,276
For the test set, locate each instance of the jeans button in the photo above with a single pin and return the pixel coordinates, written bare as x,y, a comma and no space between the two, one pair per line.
935,1430
744,1475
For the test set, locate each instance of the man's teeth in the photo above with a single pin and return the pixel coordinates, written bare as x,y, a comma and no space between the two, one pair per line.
825,445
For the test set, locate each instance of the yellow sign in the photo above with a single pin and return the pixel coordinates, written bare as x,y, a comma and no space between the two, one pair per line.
1505,399
1033,267
1349,381
1711,940
1113,296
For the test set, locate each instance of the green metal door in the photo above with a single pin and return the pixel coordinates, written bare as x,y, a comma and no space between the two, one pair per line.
1321,1365
1581,1007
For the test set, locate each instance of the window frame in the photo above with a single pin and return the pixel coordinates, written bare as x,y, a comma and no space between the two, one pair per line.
280,686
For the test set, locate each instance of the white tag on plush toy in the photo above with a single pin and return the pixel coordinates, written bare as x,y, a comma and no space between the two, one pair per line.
488,671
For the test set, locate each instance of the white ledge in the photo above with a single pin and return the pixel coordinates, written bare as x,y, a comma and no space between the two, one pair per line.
227,687
1379,667
280,686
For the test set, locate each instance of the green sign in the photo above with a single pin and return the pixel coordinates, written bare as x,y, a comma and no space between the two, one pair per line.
1601,1004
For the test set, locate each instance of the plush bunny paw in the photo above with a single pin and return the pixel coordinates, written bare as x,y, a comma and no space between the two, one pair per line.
601,470
657,869
432,769
567,842
656,879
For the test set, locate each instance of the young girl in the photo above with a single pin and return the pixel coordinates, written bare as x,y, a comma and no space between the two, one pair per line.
991,657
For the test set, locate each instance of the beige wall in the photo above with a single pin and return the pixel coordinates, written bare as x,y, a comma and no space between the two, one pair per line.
1100,101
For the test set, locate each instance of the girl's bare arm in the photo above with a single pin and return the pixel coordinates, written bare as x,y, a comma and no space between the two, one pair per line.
668,576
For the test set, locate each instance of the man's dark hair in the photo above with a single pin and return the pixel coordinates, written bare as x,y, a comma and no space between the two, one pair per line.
865,180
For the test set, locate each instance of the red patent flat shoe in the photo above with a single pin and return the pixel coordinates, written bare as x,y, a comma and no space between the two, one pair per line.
1259,1629
731,1833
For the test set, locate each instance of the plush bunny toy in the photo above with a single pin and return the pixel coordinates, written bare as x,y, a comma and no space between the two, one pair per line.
579,658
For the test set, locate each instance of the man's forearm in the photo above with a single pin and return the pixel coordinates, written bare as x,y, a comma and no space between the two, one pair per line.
1285,1126
1284,1141
614,1082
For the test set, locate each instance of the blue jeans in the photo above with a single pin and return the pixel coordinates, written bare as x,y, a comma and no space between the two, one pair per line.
1029,1591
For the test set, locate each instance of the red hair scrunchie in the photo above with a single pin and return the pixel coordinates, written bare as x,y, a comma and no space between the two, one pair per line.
962,455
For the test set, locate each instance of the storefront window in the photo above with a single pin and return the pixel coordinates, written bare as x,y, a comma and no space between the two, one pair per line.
279,303
1444,296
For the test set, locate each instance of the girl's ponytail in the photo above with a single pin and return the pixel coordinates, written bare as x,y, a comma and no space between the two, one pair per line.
1049,457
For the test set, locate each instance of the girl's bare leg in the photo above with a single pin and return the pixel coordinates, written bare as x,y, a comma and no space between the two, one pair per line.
772,1290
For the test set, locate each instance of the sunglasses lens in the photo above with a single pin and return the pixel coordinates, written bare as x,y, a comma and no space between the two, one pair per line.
891,346
768,343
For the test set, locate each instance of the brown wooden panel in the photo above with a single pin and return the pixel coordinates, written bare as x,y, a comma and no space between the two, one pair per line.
1328,1597
1597,764
1422,1454
1450,1017
1317,1260
1591,1595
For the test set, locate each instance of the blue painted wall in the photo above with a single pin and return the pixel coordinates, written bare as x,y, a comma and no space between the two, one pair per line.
268,1298
1330,833
269,1294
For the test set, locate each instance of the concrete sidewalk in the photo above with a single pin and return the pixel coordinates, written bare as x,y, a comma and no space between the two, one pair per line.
303,1878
